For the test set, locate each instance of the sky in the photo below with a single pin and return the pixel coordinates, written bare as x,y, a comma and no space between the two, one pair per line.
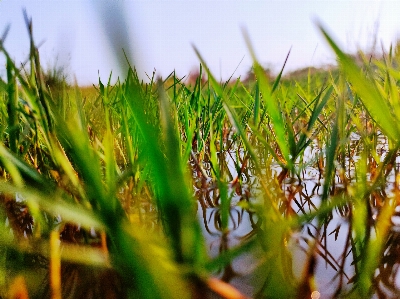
86,37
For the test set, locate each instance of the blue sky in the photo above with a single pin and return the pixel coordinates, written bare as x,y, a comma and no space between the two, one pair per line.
160,34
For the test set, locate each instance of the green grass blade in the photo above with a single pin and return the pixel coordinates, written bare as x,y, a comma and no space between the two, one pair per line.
304,138
378,107
278,78
12,105
55,205
256,113
21,172
168,179
272,106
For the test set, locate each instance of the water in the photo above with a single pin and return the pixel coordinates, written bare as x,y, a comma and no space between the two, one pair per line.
334,262
249,269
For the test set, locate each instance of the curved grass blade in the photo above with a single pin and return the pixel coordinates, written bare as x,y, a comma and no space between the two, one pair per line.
378,107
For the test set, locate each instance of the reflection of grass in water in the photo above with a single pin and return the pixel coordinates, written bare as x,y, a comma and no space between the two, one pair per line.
106,170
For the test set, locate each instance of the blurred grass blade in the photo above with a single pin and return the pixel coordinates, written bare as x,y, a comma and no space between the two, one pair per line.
20,170
55,205
12,106
55,265
168,178
378,107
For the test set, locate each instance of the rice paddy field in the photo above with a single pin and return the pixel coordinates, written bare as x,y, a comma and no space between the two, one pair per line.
285,187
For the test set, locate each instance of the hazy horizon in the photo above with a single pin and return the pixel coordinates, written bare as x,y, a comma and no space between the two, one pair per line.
160,34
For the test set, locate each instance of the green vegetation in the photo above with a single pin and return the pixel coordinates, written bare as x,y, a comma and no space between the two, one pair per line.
108,192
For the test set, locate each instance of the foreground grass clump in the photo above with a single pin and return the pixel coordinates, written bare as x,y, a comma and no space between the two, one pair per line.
113,192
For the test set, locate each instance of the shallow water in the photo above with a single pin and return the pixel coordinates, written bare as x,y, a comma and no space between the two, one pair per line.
249,268
333,268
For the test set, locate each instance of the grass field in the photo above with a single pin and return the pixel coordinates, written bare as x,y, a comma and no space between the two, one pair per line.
115,191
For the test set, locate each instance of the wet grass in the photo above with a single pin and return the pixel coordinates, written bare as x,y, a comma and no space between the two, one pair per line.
115,191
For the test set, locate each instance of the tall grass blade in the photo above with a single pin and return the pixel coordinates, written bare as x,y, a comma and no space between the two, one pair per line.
12,106
272,106
378,107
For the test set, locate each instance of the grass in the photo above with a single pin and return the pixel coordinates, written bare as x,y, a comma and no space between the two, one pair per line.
102,187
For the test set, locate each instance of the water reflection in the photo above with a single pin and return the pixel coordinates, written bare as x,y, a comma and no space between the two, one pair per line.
330,247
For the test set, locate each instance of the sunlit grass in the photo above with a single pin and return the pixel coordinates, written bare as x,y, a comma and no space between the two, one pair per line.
102,187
